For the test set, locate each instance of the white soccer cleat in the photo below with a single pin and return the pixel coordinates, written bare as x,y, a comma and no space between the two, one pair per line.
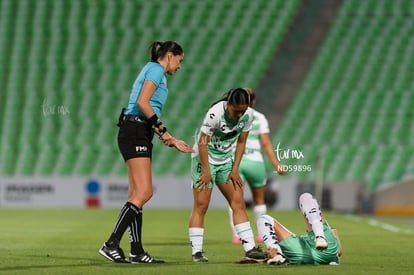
321,243
335,261
279,259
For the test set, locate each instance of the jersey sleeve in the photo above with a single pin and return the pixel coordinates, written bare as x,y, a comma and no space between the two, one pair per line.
264,125
210,121
155,75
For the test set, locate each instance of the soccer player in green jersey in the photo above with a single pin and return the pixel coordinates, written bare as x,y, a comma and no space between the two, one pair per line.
252,166
320,244
215,162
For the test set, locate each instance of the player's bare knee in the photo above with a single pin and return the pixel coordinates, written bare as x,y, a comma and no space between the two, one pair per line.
143,196
238,204
201,208
238,208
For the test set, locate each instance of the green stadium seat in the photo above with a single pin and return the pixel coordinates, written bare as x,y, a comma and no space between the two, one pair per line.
357,85
85,55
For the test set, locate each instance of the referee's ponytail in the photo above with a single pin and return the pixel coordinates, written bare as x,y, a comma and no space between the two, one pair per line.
160,49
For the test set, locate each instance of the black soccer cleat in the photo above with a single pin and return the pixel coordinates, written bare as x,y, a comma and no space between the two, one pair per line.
114,254
199,257
144,258
256,253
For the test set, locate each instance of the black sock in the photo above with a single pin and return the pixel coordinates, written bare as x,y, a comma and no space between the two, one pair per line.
126,216
135,233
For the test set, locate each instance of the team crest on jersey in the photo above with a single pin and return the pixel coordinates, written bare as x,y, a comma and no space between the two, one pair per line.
241,124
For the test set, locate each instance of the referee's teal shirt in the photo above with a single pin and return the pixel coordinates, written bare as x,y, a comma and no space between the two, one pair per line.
154,72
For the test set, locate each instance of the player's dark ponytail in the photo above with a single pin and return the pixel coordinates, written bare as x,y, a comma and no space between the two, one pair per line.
160,49
238,96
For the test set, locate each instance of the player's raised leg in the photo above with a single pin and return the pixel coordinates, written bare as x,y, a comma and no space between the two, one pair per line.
314,219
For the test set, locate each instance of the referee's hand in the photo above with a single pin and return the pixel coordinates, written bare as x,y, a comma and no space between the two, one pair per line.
180,145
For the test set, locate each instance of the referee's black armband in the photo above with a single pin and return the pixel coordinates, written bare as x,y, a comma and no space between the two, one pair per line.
156,123
163,130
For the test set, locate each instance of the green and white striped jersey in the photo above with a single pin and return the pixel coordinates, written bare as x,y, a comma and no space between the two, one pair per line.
223,132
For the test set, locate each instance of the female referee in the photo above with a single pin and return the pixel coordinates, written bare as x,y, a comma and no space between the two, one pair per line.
226,125
137,125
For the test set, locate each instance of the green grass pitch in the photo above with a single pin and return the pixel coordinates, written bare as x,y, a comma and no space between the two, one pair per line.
66,241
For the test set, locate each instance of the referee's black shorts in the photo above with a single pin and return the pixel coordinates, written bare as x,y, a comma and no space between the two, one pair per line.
135,139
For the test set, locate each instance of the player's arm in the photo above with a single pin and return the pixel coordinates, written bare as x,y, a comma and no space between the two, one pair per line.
267,147
143,102
335,233
240,146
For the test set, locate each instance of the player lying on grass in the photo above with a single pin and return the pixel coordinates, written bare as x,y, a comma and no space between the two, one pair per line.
320,244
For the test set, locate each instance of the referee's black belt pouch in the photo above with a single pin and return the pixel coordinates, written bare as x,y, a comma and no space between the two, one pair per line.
132,118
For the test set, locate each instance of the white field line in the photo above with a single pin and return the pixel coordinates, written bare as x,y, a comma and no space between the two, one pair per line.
376,223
